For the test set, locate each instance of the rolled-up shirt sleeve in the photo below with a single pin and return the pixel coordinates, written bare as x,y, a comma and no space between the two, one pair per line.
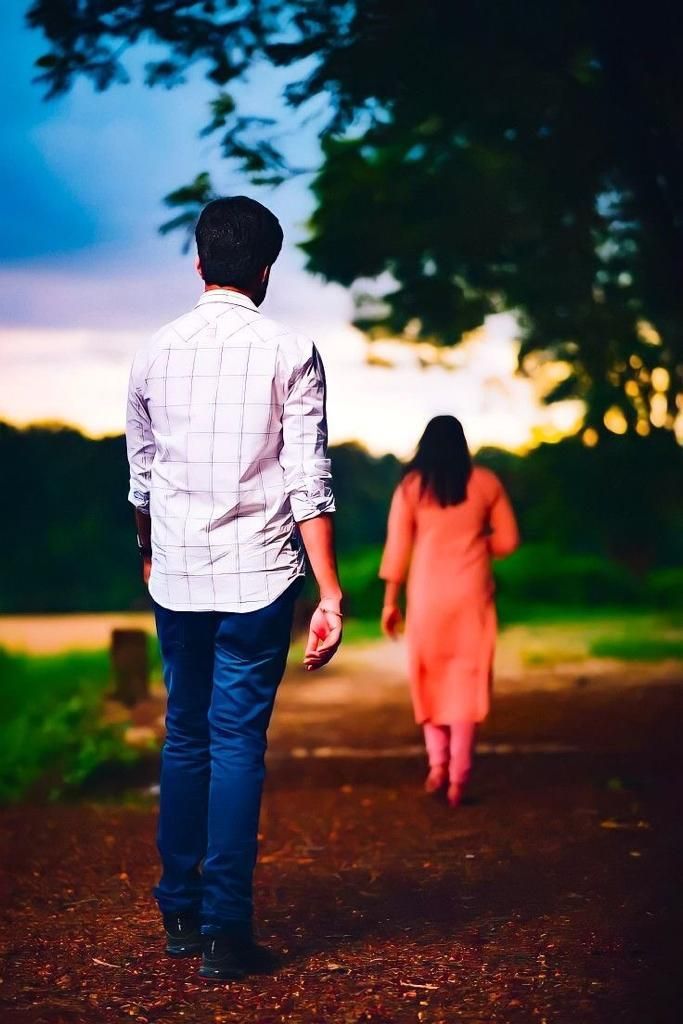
139,440
303,457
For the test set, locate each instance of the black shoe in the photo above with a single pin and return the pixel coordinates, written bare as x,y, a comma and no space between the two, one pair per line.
257,959
183,937
227,958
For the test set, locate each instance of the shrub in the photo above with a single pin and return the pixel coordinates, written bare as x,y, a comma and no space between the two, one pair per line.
362,587
541,573
665,588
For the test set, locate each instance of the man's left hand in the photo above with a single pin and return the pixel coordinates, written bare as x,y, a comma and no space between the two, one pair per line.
324,638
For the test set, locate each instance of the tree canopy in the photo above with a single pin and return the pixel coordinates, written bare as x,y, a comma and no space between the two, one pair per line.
475,158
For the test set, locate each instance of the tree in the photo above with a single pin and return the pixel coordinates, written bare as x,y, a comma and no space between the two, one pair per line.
479,157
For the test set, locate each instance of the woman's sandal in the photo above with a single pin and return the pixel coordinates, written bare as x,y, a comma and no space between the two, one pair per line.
455,794
436,780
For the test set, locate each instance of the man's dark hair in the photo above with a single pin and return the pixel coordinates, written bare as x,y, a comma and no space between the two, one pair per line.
236,238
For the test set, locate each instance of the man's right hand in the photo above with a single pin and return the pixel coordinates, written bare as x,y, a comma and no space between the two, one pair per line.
146,570
324,638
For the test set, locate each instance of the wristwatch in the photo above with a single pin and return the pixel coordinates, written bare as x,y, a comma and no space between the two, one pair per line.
145,552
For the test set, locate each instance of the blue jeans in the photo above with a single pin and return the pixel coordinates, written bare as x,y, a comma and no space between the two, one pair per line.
222,671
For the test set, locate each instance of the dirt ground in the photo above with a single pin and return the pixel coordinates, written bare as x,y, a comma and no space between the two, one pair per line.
553,896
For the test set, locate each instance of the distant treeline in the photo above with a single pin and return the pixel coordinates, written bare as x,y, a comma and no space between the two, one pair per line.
69,542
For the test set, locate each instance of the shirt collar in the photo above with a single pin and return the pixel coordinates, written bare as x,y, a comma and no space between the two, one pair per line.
227,296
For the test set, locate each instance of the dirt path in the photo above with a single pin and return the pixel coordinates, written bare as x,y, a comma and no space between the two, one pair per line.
552,897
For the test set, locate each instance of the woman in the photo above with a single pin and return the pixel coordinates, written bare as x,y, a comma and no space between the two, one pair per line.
448,519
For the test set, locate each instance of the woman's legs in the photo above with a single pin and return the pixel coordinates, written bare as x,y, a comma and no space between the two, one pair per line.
461,746
437,742
449,751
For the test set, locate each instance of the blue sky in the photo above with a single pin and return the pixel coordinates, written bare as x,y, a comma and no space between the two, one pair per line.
85,276
26,176
84,175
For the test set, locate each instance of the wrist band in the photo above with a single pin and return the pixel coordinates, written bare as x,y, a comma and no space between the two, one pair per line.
330,611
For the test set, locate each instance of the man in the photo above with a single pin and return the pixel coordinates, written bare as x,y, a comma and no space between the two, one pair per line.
226,436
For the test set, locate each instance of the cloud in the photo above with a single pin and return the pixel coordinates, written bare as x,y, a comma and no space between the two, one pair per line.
97,288
74,377
93,292
80,377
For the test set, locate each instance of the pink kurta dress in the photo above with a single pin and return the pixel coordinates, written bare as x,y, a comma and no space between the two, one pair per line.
446,553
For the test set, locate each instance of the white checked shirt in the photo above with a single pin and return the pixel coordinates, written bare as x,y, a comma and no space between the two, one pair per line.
226,437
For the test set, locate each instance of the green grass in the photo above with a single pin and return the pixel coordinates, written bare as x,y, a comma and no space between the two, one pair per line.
568,635
556,614
361,630
50,707
637,648
50,720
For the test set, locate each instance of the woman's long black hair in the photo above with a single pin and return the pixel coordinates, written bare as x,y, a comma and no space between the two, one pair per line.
443,461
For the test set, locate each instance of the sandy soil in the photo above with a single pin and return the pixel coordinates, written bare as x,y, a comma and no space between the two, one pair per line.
54,634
